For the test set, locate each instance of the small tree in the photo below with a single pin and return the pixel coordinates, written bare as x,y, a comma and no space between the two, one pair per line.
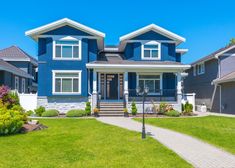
232,41
88,108
133,108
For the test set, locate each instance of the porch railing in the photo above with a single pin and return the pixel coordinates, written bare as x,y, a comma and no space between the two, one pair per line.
160,95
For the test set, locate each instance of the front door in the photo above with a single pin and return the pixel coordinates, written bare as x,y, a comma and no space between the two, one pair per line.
112,86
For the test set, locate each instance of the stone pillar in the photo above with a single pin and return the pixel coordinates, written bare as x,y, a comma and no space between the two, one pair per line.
126,92
94,93
179,91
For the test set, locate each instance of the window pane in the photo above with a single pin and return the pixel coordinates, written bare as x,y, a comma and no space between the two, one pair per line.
58,51
141,84
57,85
75,85
154,53
157,85
66,42
66,75
147,53
149,76
150,85
151,46
66,85
75,51
67,51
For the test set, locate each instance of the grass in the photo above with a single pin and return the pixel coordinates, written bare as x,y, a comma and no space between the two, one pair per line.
219,131
84,143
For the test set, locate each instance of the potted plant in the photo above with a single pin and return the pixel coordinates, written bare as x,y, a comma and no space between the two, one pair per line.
125,110
96,112
133,108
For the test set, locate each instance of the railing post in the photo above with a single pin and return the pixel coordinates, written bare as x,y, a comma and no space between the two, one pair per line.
126,93
94,93
179,90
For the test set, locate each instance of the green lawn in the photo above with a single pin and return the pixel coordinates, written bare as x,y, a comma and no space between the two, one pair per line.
84,143
219,131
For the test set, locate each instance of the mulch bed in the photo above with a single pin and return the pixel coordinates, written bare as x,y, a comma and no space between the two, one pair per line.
32,127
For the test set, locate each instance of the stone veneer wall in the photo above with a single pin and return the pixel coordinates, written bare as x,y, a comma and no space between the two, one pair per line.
62,104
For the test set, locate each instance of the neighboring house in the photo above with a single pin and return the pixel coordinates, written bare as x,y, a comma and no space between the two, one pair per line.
20,59
212,78
74,64
13,77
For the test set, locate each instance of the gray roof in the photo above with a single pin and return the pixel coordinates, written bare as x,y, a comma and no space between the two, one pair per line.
212,55
227,78
15,53
5,66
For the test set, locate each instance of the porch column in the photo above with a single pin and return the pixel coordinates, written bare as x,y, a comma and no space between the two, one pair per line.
94,93
179,90
126,89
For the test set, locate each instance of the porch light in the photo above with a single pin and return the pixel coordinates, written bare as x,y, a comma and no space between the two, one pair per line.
146,90
138,90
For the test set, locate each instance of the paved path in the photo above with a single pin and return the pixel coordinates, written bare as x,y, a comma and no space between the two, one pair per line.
196,152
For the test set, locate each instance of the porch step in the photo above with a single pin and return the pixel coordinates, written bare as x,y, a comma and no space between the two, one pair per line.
111,109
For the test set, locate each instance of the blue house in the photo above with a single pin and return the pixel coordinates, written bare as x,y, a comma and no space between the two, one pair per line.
75,66
18,70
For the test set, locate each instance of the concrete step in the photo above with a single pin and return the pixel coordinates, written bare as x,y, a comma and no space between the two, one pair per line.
111,115
111,105
110,109
111,112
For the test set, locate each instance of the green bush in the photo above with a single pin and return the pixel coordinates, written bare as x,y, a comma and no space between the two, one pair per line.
133,108
29,112
88,108
38,111
172,113
182,106
188,108
76,113
162,108
11,121
50,113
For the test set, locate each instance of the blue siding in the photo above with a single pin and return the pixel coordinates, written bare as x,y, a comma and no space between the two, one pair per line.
67,30
47,64
150,35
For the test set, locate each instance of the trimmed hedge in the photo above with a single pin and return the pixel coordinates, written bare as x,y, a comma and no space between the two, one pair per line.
172,113
76,113
50,113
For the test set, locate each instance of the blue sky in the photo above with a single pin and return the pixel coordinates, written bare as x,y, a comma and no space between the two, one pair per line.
206,24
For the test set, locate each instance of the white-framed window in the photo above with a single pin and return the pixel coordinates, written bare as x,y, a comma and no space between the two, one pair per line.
151,50
17,83
200,68
67,48
23,85
194,70
152,81
66,82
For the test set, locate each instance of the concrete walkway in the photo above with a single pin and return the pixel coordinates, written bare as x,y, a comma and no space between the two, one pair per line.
196,152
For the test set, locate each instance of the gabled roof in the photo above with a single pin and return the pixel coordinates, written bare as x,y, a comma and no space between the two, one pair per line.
215,54
5,66
59,23
227,78
15,53
155,28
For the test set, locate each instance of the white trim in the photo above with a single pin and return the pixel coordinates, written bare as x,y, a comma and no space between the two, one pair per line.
155,28
138,66
224,51
67,71
181,51
67,38
17,80
60,23
151,43
161,81
23,85
228,54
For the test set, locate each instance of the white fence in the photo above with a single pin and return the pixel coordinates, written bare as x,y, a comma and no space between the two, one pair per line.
28,101
189,97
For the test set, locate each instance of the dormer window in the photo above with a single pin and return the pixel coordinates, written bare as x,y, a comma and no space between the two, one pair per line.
67,48
151,51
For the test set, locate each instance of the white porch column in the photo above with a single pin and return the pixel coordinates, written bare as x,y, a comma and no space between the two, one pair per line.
94,93
126,88
179,90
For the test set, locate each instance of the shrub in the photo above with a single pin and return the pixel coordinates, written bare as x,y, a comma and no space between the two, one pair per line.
182,106
29,112
9,99
133,108
172,113
11,121
88,108
125,110
188,108
162,108
76,113
50,113
39,111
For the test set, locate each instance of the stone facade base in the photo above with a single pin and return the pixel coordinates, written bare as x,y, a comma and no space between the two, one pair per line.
62,104
148,106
